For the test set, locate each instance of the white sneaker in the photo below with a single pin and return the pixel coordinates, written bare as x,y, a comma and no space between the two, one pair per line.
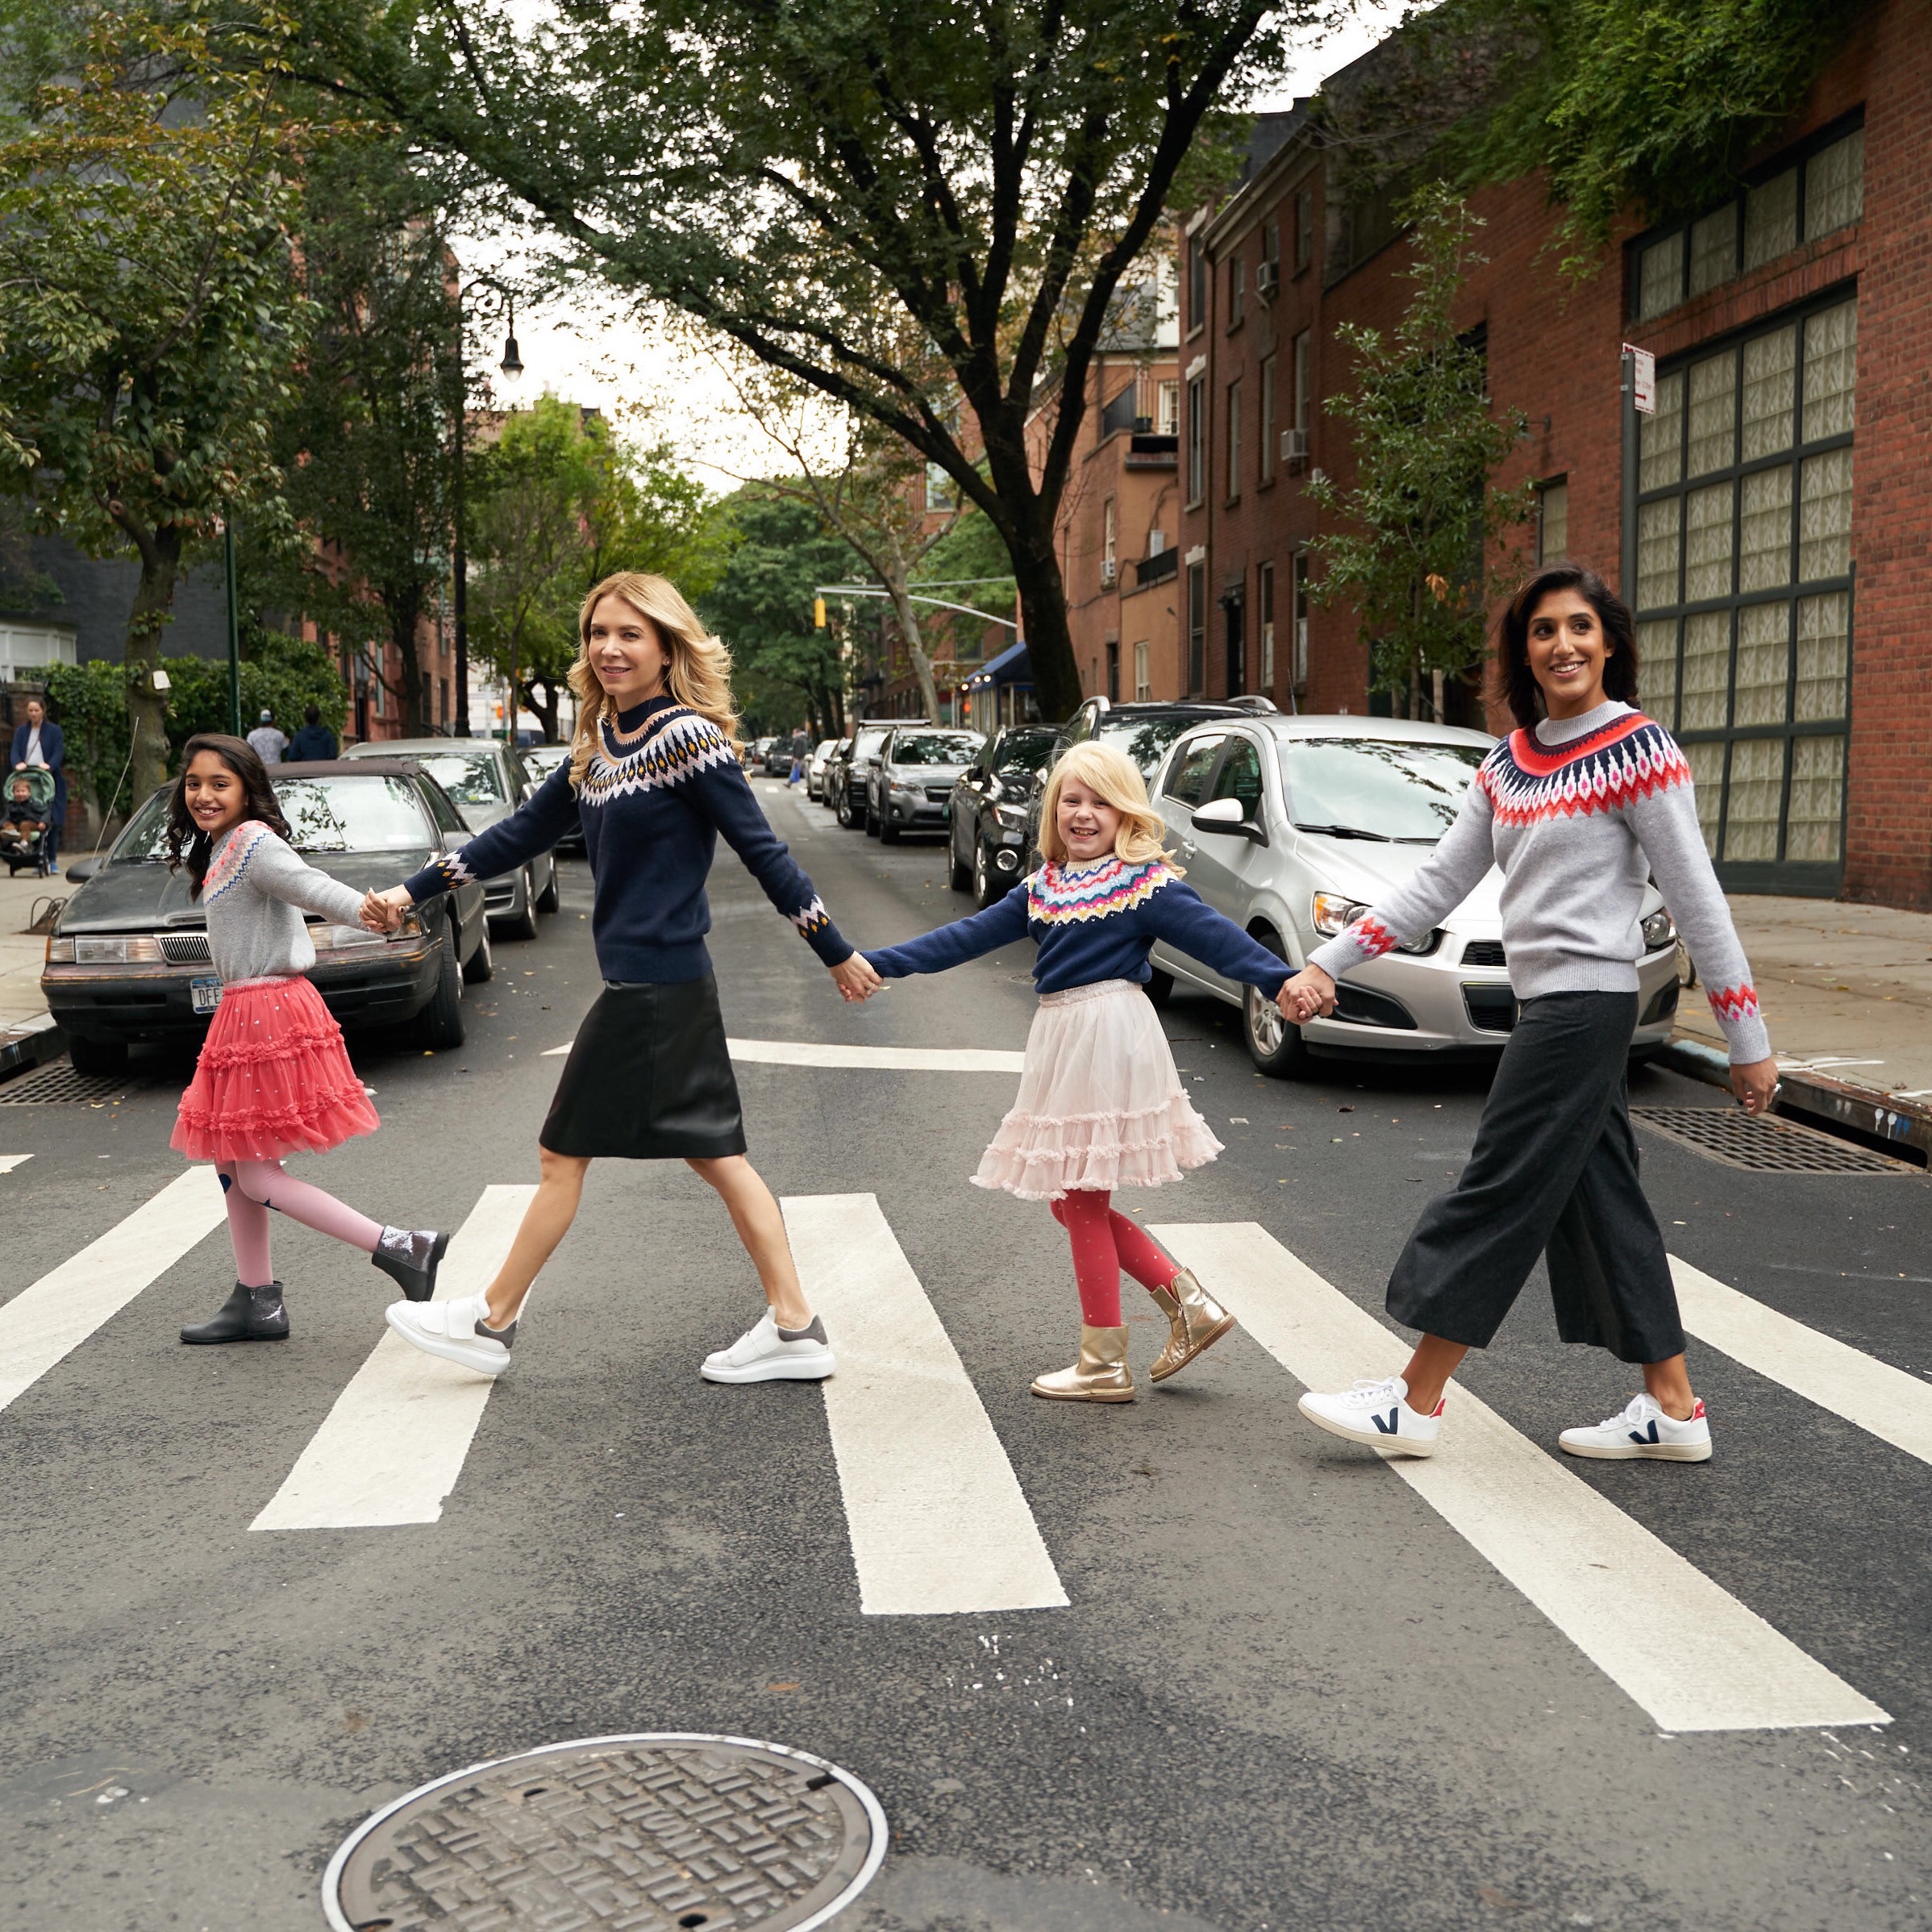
1378,1413
767,1353
456,1329
1642,1430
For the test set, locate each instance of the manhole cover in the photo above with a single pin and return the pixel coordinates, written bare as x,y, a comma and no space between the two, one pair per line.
651,1833
1768,1146
53,1085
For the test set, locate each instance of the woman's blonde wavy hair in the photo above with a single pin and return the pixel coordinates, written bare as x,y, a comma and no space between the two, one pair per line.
698,675
1117,779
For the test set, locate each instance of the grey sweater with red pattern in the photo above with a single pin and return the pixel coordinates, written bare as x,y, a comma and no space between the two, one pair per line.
1577,816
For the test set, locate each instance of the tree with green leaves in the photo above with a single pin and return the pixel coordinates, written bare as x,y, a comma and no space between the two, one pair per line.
1423,519
152,316
925,214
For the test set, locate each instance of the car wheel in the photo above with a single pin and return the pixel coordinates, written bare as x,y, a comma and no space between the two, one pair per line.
105,1058
439,1025
985,889
550,898
889,835
522,924
872,823
1159,987
842,810
478,968
958,876
1273,1045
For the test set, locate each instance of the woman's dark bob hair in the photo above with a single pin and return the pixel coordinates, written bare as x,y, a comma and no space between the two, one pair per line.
1519,690
184,836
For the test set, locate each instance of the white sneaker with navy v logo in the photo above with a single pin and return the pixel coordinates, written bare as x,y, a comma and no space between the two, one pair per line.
1642,1430
1378,1413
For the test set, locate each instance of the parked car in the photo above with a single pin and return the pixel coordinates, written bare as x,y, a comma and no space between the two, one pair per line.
829,780
128,958
778,757
991,802
540,760
1294,827
911,786
489,781
815,766
848,780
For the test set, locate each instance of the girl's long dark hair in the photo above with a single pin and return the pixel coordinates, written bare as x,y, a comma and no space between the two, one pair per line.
187,843
1519,688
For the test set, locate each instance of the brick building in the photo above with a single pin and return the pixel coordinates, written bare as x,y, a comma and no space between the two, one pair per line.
1773,510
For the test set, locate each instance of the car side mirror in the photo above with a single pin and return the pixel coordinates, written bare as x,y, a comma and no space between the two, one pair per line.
454,842
82,870
1224,816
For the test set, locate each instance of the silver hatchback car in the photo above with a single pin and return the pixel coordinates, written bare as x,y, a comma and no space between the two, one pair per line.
1294,827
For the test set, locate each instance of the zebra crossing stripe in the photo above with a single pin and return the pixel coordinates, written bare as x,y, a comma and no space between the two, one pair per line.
1677,1644
391,1449
46,1321
938,1523
894,1060
1883,1401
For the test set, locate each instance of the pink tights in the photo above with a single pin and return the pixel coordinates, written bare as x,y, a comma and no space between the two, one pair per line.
251,1188
1105,1242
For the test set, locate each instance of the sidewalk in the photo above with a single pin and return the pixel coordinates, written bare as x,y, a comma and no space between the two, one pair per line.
23,1011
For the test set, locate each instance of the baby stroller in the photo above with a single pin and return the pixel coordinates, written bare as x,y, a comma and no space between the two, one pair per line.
27,852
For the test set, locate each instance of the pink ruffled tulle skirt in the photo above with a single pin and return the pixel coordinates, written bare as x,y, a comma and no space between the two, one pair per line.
1100,1105
274,1078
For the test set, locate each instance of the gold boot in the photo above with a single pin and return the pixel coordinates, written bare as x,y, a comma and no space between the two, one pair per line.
1101,1375
1198,1321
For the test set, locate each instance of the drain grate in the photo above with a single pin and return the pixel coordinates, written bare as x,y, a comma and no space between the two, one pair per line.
651,1833
59,1084
1766,1145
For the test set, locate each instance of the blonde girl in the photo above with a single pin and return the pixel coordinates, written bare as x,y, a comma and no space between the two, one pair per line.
654,779
1100,1105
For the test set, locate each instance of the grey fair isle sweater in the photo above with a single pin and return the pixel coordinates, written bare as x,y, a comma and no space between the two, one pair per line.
255,894
1577,816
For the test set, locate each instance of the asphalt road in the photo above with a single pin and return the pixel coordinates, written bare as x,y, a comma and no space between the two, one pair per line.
1286,1691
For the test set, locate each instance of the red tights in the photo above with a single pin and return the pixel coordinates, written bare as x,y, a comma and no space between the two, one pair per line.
1105,1242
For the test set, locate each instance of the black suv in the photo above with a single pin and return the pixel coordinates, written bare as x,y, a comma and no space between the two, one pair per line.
989,810
848,772
1143,731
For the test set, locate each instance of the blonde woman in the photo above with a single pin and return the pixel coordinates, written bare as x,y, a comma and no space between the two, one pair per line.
1100,1105
654,776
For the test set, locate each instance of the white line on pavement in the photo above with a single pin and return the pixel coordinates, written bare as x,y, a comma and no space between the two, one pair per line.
9,1161
897,1059
1886,1401
58,1312
393,1447
938,1521
1685,1649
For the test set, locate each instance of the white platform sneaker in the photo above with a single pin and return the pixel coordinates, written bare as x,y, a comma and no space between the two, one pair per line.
1642,1431
457,1330
1377,1413
767,1353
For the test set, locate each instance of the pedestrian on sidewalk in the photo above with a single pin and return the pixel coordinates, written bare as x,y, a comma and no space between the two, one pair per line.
1100,1104
314,740
1579,807
267,740
274,1078
801,746
39,741
655,775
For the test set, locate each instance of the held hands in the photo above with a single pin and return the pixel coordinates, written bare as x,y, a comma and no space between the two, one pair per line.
856,980
382,911
1310,995
1755,1084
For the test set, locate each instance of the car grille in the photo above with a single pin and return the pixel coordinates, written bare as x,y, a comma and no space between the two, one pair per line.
1491,1009
1484,952
938,794
186,948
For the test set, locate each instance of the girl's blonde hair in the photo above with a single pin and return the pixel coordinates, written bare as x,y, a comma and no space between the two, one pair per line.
698,674
1115,778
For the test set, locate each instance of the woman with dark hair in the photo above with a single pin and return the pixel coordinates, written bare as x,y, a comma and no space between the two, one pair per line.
274,1078
1578,806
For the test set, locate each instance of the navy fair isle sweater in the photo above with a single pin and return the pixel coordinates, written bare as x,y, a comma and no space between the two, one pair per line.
651,812
1095,922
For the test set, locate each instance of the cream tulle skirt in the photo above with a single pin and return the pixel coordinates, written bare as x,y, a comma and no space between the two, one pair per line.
1100,1105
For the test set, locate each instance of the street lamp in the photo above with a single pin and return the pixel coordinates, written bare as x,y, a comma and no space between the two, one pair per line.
512,366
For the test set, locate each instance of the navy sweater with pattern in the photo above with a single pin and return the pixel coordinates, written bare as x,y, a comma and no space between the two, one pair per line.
1097,923
651,812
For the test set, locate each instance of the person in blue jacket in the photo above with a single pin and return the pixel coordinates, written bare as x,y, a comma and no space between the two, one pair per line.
1101,1106
39,740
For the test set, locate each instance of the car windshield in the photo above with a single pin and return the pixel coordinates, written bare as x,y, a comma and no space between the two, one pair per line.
470,777
1026,751
1376,787
340,814
1144,739
933,748
867,742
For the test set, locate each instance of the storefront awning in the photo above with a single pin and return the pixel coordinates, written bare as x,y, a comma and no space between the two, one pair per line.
1011,666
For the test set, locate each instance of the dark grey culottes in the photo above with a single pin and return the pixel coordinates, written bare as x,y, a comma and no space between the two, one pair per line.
1554,1171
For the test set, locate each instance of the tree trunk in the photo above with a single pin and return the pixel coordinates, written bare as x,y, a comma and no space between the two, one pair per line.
404,615
147,708
541,695
1049,638
909,628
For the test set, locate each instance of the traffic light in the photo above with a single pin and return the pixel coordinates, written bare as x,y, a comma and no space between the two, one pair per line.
818,614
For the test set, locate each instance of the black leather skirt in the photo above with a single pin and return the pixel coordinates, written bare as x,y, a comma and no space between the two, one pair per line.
649,1078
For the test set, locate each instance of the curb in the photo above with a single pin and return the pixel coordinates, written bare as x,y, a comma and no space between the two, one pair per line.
30,1043
1854,1113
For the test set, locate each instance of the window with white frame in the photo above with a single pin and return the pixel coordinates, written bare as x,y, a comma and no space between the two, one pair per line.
1108,536
1143,689
1167,415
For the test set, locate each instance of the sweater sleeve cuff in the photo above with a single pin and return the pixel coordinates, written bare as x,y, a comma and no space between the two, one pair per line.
814,924
427,883
1736,1011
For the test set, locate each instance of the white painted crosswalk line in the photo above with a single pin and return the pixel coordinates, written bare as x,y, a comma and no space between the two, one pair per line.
896,1059
9,1161
938,1521
1884,1400
48,1320
391,1448
1685,1649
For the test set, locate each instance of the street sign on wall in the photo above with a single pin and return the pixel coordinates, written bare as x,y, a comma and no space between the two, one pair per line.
1643,370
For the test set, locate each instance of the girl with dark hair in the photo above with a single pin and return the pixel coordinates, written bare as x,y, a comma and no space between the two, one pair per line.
1578,807
274,1078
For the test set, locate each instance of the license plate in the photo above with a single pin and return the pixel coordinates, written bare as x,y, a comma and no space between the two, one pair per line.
206,994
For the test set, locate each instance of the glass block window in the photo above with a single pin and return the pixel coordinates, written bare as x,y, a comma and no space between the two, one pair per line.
1744,592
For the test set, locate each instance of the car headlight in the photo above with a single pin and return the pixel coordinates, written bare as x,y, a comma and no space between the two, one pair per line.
1013,816
59,952
338,936
117,949
1659,931
1332,915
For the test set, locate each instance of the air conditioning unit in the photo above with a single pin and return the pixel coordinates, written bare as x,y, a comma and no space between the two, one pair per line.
1294,445
1109,575
1267,279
